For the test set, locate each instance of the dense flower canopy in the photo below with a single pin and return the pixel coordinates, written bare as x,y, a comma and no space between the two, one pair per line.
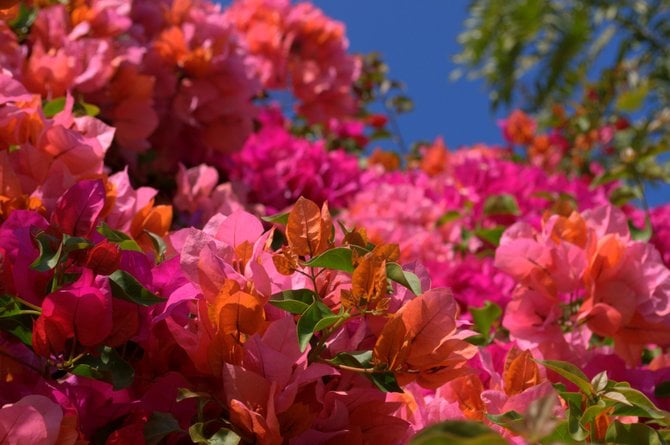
182,260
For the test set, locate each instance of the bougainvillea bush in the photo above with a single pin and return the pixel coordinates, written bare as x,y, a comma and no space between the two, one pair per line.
185,260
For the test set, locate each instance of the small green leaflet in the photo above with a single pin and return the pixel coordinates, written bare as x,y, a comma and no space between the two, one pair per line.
338,258
109,366
126,287
400,276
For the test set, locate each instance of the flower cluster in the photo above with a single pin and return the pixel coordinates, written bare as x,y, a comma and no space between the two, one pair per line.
297,46
466,293
581,276
573,144
275,168
180,76
42,156
461,202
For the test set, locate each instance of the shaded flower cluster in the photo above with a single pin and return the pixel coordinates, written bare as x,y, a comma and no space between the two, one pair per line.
462,291
275,168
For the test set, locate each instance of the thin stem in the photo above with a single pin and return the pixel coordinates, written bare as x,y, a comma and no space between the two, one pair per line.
30,305
55,281
359,370
73,360
320,346
645,203
397,135
313,276
31,312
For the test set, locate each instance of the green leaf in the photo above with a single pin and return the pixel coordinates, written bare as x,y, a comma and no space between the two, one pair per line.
454,432
222,437
306,296
640,406
599,381
624,194
90,109
124,241
490,235
633,99
279,218
385,381
632,433
478,340
338,258
295,301
643,234
327,322
109,366
14,321
575,428
130,244
485,317
50,249
126,287
591,413
400,103
159,426
308,321
72,243
511,420
19,329
354,359
403,277
81,108
185,393
292,306
112,235
23,21
53,107
571,373
451,215
158,244
617,397
560,435
503,204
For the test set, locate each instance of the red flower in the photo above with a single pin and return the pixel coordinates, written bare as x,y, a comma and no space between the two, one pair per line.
103,258
81,313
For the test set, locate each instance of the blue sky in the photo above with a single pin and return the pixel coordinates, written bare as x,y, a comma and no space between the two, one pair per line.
418,40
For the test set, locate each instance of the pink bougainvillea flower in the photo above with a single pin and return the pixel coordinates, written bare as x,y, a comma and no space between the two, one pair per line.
297,46
79,312
518,128
78,210
128,201
19,252
198,196
277,168
616,287
11,53
33,419
420,342
49,155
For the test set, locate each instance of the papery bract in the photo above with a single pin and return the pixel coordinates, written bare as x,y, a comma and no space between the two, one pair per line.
80,312
420,341
77,211
33,419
